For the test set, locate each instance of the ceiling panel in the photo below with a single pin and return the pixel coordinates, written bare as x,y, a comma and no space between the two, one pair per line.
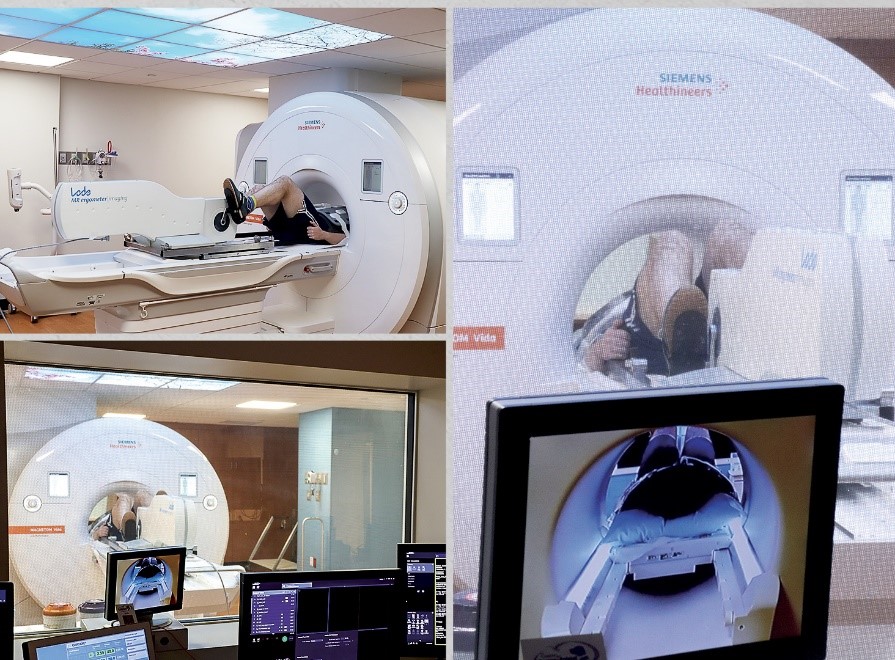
395,56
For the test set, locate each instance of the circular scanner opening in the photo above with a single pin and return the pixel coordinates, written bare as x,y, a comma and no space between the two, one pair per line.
319,187
647,300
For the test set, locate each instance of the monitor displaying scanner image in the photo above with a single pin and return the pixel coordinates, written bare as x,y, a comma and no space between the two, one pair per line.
866,201
151,580
132,642
489,204
326,615
661,523
422,600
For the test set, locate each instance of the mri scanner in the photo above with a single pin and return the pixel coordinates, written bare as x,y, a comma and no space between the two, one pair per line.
186,268
50,547
592,131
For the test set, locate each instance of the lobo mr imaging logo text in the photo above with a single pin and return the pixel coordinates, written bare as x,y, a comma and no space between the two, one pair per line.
701,85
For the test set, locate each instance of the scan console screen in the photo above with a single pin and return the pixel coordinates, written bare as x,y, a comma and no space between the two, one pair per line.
347,616
667,540
115,645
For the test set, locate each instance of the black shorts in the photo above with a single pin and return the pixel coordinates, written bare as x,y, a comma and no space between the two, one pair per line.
294,230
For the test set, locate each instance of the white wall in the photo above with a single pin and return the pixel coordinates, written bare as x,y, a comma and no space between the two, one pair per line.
181,139
28,115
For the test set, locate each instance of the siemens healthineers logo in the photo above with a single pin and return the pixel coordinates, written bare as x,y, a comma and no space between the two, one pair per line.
701,85
84,195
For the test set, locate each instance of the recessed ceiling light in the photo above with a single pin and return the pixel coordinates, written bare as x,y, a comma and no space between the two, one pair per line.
125,415
20,57
266,405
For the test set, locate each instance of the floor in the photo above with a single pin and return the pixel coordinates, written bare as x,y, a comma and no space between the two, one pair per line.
63,324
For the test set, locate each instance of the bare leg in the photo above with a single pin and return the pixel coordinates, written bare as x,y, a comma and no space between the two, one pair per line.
280,191
668,267
726,247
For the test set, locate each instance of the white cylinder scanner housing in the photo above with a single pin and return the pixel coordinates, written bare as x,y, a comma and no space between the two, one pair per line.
49,544
383,157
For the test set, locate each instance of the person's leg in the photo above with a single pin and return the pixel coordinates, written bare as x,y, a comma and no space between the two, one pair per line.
698,444
281,192
660,451
726,247
668,267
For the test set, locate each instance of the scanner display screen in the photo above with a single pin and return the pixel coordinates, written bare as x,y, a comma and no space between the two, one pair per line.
867,205
632,537
489,206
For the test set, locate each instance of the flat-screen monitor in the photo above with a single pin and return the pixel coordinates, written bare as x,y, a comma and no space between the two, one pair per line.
327,615
7,614
422,600
131,642
693,522
151,580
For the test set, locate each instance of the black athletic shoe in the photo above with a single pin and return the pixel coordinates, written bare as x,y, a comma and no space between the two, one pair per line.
684,331
236,202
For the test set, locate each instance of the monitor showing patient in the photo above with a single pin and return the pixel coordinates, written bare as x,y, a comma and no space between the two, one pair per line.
636,535
150,580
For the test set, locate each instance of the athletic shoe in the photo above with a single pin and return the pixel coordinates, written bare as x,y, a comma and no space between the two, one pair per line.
683,330
238,204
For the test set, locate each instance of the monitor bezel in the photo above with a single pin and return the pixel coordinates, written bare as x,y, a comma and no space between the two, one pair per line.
30,647
247,579
414,650
112,561
511,423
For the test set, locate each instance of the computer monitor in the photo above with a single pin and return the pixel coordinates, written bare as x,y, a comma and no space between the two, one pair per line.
693,522
7,614
333,615
422,600
131,642
151,580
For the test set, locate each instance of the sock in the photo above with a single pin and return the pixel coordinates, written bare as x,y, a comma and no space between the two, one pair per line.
249,203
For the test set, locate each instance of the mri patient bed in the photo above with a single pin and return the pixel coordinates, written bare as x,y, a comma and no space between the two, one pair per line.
184,267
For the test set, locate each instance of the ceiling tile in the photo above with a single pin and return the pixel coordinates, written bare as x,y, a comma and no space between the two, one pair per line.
403,22
334,59
279,67
62,50
136,77
339,15
87,66
6,43
125,59
183,68
436,38
239,86
390,48
186,82
435,61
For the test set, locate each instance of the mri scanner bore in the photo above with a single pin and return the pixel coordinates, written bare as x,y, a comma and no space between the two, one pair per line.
370,158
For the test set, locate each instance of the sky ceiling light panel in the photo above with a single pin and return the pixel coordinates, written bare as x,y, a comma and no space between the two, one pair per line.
221,37
11,26
134,25
327,37
89,38
163,49
263,22
194,15
208,38
61,16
